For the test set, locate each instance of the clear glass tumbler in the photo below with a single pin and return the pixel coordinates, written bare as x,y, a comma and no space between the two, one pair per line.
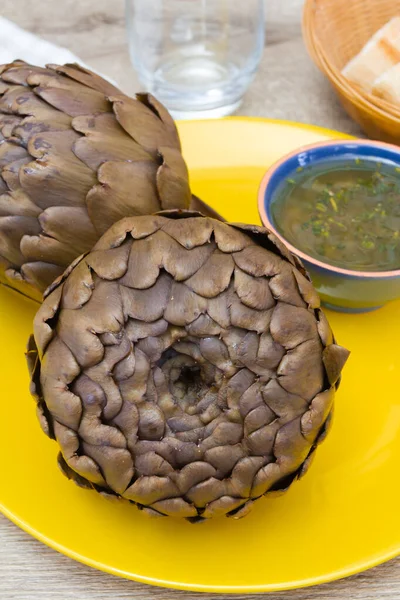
197,56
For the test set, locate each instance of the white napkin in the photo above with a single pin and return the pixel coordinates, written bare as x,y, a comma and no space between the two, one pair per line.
16,43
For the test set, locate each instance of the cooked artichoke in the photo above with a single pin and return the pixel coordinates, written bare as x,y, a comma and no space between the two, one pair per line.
184,365
76,155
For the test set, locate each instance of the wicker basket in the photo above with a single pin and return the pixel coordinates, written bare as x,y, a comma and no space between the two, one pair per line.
334,32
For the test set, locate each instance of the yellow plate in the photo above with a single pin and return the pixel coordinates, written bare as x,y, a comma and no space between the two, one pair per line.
341,518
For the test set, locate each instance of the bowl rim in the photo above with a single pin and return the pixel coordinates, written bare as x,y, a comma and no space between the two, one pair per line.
267,222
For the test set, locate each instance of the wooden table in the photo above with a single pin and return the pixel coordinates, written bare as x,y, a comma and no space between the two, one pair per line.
287,86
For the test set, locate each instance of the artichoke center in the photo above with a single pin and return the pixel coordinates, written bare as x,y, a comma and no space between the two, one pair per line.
189,381
190,378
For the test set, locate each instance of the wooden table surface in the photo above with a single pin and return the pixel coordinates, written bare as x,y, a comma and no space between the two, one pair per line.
287,86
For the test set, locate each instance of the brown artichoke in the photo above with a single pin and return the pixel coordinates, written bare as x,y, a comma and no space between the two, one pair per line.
184,365
76,155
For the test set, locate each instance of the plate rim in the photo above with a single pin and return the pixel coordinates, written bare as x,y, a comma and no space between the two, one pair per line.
334,133
352,569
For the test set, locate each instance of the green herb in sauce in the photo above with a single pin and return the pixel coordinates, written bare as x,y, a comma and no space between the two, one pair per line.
346,213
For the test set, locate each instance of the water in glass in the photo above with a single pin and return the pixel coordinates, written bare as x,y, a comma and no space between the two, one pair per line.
197,56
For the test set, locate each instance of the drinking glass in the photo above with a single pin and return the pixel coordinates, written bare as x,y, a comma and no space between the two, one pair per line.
198,57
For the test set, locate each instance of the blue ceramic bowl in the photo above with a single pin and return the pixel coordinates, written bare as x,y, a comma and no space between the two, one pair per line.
340,289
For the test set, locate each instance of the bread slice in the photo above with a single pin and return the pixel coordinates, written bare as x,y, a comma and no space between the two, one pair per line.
378,55
387,85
